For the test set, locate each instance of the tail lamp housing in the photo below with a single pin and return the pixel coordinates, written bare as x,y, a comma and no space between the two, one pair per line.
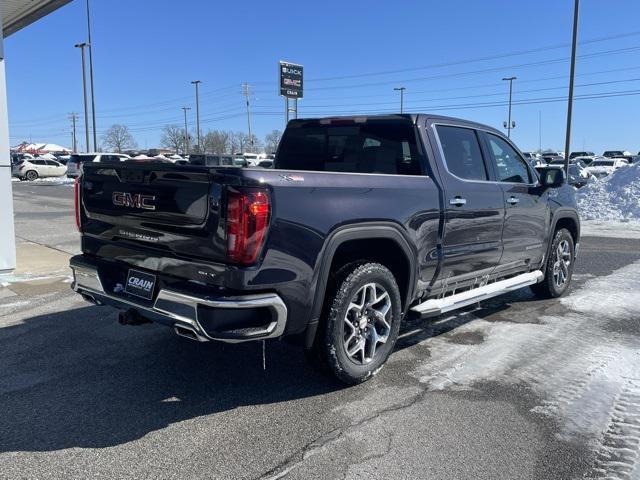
76,197
248,213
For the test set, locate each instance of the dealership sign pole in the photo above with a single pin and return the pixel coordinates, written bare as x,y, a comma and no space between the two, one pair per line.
291,86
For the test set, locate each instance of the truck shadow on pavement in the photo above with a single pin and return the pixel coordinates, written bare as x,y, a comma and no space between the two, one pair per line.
77,378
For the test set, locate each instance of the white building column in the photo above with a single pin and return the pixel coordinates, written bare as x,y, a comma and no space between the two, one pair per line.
7,231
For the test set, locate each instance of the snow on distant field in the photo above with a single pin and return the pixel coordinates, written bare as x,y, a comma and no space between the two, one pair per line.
586,374
613,198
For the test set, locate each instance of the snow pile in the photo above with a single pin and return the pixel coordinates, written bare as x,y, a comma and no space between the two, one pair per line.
615,197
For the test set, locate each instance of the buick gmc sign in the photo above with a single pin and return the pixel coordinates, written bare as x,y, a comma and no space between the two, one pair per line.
291,84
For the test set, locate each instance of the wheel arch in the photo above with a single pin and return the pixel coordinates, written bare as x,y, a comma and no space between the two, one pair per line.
564,218
359,235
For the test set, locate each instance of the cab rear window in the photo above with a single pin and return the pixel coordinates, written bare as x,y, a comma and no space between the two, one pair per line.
382,147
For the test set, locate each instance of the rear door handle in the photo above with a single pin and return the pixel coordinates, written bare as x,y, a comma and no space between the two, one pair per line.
458,201
513,200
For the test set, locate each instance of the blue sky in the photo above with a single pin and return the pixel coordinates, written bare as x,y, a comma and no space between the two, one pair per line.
450,56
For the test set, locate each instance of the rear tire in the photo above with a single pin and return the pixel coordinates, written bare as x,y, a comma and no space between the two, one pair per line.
361,324
558,269
31,175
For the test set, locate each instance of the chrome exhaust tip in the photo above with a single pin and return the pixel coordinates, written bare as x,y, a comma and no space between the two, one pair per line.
189,333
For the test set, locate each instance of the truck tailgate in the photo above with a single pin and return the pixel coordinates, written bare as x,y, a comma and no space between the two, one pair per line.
171,208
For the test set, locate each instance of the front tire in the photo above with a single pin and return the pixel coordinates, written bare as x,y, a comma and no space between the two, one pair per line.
31,175
362,323
559,266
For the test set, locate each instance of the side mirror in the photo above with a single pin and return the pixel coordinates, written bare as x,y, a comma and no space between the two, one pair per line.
552,177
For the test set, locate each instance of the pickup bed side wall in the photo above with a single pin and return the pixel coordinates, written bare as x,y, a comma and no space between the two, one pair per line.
311,209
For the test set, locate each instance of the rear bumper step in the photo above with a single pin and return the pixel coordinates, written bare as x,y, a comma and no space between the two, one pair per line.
437,306
186,313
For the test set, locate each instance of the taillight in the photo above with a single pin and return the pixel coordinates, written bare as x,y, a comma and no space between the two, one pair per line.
76,196
247,223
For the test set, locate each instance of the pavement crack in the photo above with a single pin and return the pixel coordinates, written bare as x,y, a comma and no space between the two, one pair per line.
312,448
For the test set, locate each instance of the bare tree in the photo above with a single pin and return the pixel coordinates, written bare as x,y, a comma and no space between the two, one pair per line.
254,144
272,140
239,141
217,141
172,137
118,138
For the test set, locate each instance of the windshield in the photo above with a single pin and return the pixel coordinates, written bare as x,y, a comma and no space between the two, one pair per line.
613,153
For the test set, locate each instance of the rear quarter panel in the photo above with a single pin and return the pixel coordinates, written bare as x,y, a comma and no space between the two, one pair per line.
309,206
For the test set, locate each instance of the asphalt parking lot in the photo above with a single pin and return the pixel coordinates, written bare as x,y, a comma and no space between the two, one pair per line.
513,388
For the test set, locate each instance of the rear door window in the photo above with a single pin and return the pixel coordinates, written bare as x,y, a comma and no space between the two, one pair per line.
462,152
368,146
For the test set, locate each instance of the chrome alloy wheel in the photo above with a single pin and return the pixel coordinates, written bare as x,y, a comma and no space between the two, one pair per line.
367,323
561,263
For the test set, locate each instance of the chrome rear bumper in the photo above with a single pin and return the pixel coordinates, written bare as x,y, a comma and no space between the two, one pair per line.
181,310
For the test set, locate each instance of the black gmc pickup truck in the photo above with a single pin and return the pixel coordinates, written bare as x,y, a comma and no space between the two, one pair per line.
363,221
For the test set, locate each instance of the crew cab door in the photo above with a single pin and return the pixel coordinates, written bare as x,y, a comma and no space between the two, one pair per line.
473,208
526,207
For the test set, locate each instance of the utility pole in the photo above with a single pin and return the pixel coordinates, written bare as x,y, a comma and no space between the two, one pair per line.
540,130
73,116
574,44
186,131
93,100
509,124
401,90
247,93
82,46
196,83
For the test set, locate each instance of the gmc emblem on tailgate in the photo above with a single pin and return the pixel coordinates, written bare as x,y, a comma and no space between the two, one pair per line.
133,200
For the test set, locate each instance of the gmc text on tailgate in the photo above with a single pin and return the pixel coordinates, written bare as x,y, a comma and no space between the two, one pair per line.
362,222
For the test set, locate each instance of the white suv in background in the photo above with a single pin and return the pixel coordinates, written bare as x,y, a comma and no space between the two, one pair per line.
32,168
77,159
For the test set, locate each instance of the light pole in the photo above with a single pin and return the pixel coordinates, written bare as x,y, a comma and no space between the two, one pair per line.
567,143
186,131
401,90
82,46
196,83
93,100
510,125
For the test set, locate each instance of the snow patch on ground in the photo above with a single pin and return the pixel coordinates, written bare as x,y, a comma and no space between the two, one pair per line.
616,295
63,180
615,197
587,375
612,229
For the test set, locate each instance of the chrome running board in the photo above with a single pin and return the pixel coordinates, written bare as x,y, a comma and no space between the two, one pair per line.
436,306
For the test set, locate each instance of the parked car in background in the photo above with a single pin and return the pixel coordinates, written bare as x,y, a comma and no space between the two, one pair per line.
211,160
77,159
579,176
581,154
251,158
615,153
584,161
31,169
549,158
265,164
630,158
606,166
240,162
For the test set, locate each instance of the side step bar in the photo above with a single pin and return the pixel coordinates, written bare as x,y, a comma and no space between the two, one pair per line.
436,306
